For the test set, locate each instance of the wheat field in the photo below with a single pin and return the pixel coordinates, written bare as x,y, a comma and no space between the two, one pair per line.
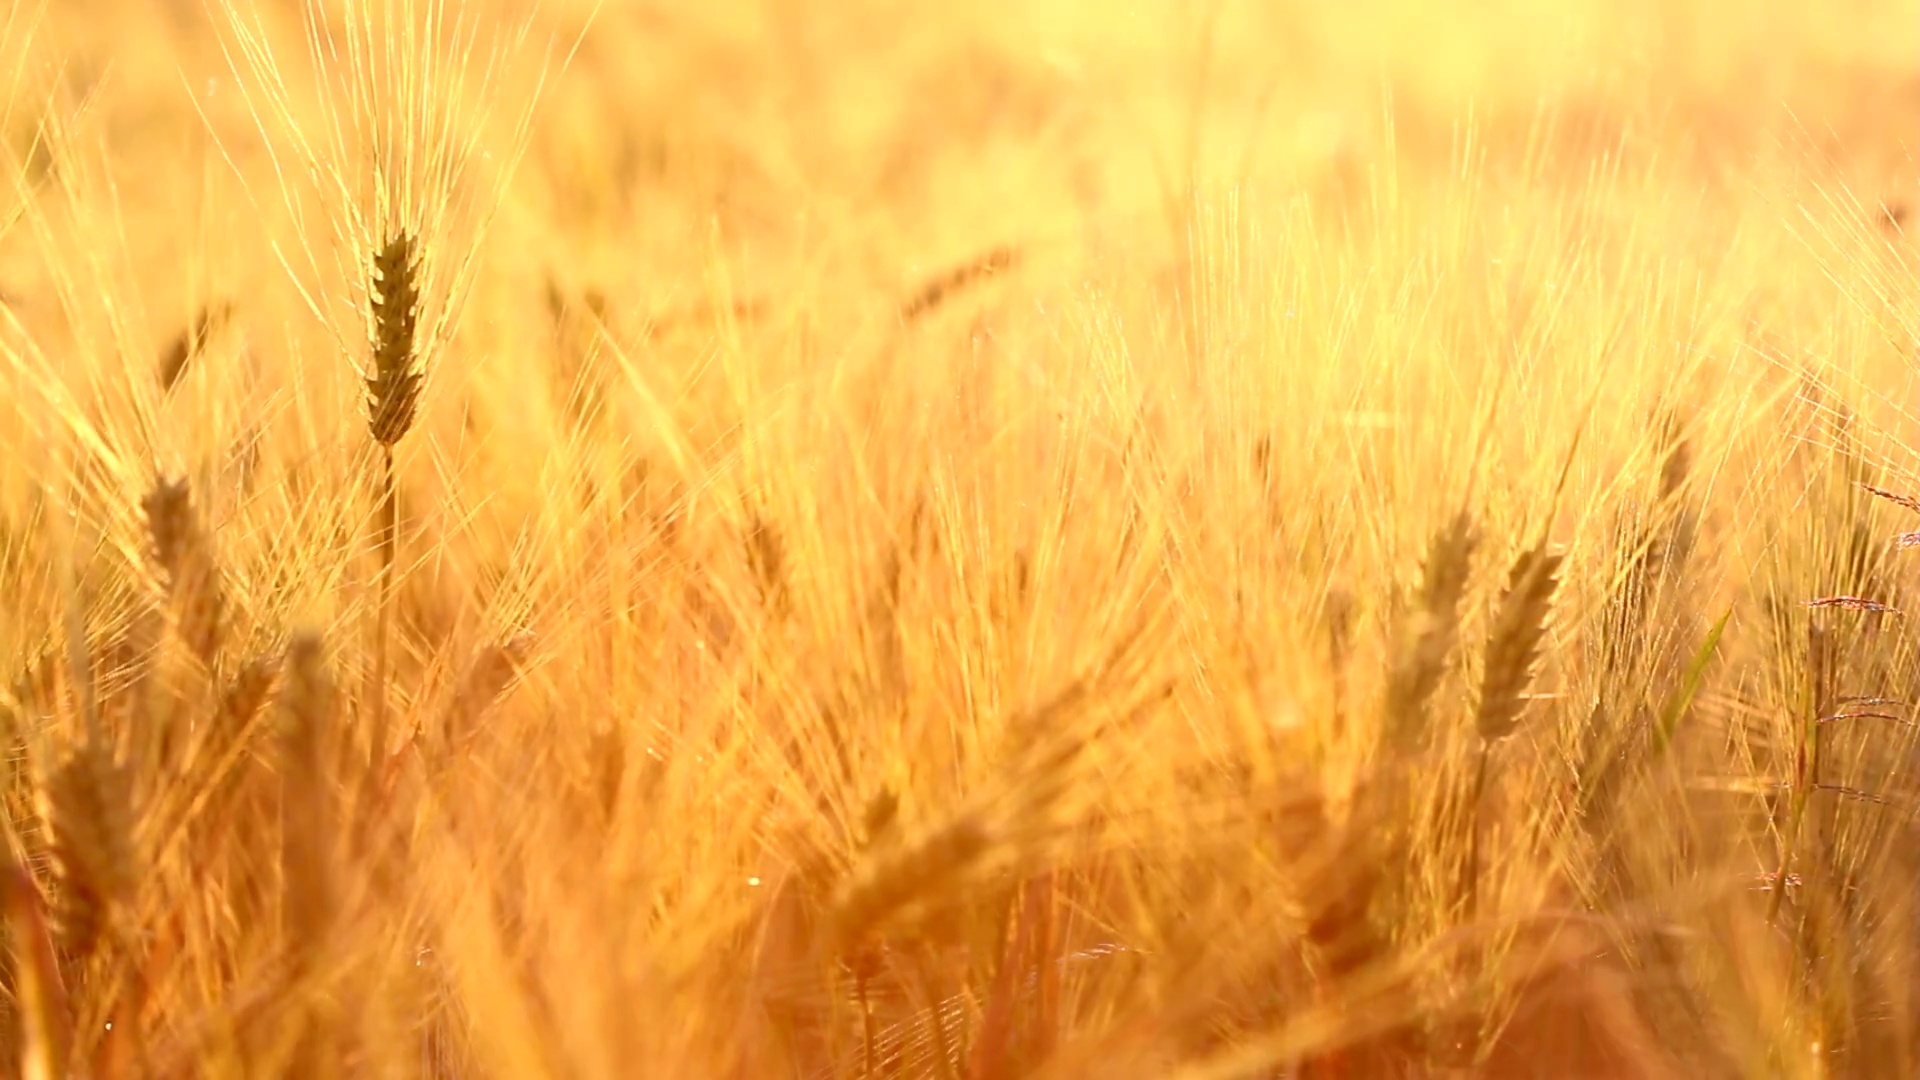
1033,538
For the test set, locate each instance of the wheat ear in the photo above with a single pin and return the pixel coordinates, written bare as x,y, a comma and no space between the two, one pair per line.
92,822
183,550
901,878
190,343
1513,644
490,676
1427,641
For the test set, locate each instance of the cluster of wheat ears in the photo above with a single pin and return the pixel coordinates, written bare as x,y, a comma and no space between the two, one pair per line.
1389,634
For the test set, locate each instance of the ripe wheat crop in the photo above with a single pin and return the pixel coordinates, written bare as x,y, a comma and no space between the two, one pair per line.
1031,538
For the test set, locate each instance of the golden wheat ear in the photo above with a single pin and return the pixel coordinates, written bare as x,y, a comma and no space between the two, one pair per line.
190,343
894,885
183,550
934,292
92,822
491,674
394,390
1513,645
1421,659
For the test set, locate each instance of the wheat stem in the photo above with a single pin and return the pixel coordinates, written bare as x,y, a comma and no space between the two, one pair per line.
386,527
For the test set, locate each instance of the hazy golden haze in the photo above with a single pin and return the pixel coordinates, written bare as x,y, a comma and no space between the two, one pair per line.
1001,539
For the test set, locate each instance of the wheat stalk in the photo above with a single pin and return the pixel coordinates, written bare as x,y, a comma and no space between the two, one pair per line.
393,399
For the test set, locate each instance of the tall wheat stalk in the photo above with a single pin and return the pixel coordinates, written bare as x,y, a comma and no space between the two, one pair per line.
393,398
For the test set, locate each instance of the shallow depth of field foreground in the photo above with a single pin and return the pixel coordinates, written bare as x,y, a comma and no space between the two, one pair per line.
1022,538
